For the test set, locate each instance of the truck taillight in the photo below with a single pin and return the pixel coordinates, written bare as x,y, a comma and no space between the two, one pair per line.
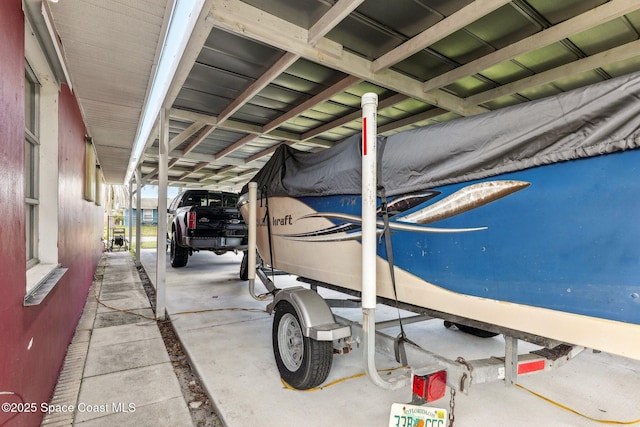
430,387
192,220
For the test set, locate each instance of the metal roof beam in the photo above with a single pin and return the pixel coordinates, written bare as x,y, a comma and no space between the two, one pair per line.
438,31
592,18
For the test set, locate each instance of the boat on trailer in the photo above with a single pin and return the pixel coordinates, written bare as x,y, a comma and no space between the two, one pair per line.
524,219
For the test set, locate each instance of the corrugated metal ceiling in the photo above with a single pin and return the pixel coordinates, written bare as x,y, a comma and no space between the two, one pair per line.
292,71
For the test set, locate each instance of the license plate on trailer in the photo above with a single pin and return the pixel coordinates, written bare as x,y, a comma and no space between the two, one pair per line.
403,415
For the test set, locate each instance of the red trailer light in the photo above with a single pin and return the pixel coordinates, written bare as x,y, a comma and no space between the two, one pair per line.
192,220
430,387
533,366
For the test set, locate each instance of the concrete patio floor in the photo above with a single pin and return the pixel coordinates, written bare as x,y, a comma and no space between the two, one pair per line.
228,340
117,370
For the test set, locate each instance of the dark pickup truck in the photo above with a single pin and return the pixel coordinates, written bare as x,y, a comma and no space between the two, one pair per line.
205,220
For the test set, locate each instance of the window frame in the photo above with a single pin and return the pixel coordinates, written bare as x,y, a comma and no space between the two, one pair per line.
44,272
32,168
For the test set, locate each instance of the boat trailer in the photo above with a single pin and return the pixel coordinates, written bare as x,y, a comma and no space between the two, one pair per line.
317,323
306,333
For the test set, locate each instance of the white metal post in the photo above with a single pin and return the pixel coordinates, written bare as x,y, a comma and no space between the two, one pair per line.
130,206
138,212
161,239
369,245
369,164
252,226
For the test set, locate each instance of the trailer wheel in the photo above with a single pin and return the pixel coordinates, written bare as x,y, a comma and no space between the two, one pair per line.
481,333
178,255
244,266
303,363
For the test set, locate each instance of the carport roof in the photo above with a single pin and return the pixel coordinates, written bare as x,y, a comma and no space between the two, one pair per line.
259,73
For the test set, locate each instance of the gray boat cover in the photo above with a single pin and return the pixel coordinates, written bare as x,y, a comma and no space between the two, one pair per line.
598,119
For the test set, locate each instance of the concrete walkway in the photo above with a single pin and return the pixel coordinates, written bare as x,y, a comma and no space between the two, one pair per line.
117,371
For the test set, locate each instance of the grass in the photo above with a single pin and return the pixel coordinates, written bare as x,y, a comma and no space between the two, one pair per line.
149,230
145,231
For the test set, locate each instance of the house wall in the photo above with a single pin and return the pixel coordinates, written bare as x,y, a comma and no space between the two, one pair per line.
34,340
143,221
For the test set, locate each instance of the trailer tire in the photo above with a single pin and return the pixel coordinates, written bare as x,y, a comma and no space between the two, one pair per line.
303,362
481,333
244,266
177,254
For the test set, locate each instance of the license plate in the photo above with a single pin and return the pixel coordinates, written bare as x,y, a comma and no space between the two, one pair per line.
403,415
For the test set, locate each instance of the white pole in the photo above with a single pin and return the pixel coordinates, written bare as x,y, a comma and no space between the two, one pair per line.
253,201
161,239
130,206
369,236
369,163
138,211
252,226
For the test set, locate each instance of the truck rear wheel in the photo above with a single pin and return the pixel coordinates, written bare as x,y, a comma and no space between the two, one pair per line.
178,255
244,266
303,363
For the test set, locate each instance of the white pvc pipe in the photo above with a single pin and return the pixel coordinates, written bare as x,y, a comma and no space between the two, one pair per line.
251,254
369,237
252,247
369,163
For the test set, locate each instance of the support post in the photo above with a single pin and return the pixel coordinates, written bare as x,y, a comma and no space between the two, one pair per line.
161,238
252,229
138,212
251,244
369,182
369,236
130,207
511,361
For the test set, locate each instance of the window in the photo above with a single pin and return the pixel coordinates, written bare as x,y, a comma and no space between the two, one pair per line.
147,215
41,171
31,164
90,170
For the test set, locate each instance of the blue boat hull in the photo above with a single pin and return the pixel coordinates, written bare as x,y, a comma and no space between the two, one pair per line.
562,252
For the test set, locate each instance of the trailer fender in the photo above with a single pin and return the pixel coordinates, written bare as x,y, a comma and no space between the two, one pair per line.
316,318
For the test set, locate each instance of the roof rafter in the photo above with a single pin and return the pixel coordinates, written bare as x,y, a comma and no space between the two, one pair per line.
425,115
263,81
195,169
387,102
311,102
296,111
184,135
340,10
620,53
438,31
242,19
593,17
206,131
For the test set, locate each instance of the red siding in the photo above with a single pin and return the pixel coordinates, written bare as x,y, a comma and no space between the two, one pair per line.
31,371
